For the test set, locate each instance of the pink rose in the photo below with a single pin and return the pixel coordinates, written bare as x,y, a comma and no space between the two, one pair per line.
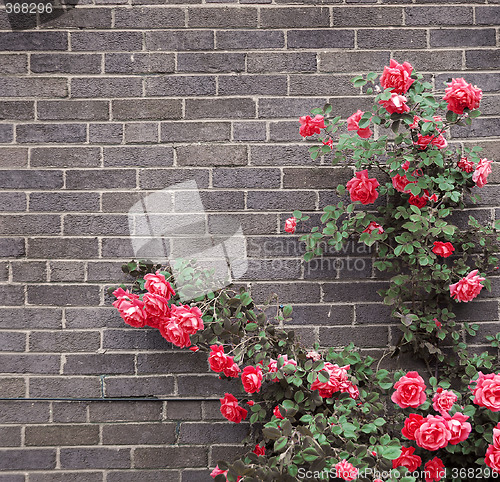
410,391
156,284
351,389
353,125
467,288
232,370
397,77
373,226
337,376
395,105
466,165
273,364
414,124
187,317
483,169
173,333
411,424
311,126
443,400
433,433
157,309
217,359
496,436
251,379
231,410
458,427
345,470
217,472
313,355
487,391
439,141
492,458
443,249
130,307
434,470
363,189
400,182
290,225
461,95
407,459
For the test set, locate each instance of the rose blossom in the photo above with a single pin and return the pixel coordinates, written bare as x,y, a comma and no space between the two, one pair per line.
395,105
232,370
346,470
496,435
419,201
437,323
311,126
487,391
158,285
290,225
231,410
217,359
433,433
400,182
461,95
443,400
410,391
443,249
259,450
174,333
459,428
434,470
483,169
277,413
217,472
337,375
157,309
373,226
407,459
467,288
353,125
273,364
433,198
130,307
411,424
363,189
466,165
251,379
313,355
492,458
439,141
187,317
397,77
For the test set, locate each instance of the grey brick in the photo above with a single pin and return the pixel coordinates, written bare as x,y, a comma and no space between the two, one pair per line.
147,109
281,62
180,86
145,475
211,433
63,476
11,437
373,313
98,224
315,178
283,131
12,341
73,110
149,18
247,178
22,459
287,292
157,248
341,291
59,295
101,179
133,340
73,412
56,435
210,62
183,410
271,269
477,311
64,341
426,61
141,133
211,155
280,155
4,271
317,39
106,86
288,107
206,386
354,268
24,412
231,108
14,64
64,201
64,387
27,41
212,201
13,388
253,85
162,178
13,157
179,40
270,247
82,18
138,156
485,127
222,17
321,85
322,315
276,201
123,201
44,364
369,336
106,271
249,131
106,41
31,318
438,16
12,295
6,133
250,223
367,16
102,317
66,63
462,37
353,61
105,133
170,457
30,224
65,157
293,17
250,39
31,86
195,131
17,110
12,201
94,458
172,362
487,15
129,411
29,271
139,63
98,364
482,59
139,434
139,386
51,133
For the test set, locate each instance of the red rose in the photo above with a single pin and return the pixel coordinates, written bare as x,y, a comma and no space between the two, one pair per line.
400,182
419,201
251,379
345,470
487,391
259,450
410,391
443,249
130,307
232,370
217,358
363,189
460,95
156,284
311,126
439,141
187,317
173,333
434,470
395,105
466,165
496,436
411,424
231,410
459,428
397,77
277,413
273,364
492,458
290,225
407,459
353,125
157,309
433,433
483,169
467,288
373,226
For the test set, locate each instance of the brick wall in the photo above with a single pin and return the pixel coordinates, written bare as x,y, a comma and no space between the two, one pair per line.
115,100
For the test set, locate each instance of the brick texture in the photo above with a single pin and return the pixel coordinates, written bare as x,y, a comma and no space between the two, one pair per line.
187,107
